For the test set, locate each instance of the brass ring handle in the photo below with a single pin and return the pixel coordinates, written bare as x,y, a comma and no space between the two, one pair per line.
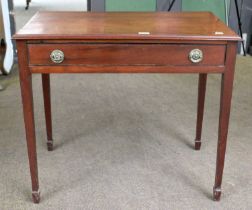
57,56
196,56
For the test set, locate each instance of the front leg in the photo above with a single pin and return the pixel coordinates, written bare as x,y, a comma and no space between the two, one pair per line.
225,105
27,99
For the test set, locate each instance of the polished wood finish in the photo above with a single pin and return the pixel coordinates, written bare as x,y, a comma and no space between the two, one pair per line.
127,69
225,105
110,43
126,26
47,107
125,54
200,109
27,99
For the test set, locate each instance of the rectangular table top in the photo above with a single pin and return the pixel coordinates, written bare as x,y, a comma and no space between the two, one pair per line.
127,26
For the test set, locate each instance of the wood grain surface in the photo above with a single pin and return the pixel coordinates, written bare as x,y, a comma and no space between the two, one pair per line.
126,25
125,54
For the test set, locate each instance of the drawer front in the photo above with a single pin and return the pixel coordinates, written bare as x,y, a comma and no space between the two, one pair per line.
125,54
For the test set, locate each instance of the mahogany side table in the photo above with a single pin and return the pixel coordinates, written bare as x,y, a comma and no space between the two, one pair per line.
80,42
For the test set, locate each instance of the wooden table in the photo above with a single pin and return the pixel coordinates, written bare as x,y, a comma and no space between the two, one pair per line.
79,42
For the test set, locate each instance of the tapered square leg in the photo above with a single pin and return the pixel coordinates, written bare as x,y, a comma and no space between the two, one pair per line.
27,99
225,106
200,109
47,107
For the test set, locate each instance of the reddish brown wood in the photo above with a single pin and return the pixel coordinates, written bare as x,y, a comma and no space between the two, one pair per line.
225,105
200,112
175,26
123,41
127,69
27,99
126,54
47,107
110,43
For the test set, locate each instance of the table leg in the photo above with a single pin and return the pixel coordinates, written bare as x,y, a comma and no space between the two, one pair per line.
200,109
27,99
47,107
225,105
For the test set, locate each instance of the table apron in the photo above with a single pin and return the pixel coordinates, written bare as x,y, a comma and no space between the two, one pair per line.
126,69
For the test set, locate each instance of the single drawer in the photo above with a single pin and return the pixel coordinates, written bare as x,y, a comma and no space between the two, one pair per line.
126,54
